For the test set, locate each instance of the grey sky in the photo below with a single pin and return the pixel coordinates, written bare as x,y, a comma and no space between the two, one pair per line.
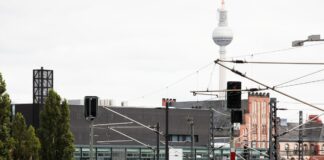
125,49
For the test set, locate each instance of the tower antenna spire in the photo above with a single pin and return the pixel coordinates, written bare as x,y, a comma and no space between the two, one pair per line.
223,4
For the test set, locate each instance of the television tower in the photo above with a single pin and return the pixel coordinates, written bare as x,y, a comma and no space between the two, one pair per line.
222,36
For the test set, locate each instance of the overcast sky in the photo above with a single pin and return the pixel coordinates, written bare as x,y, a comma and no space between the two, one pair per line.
131,50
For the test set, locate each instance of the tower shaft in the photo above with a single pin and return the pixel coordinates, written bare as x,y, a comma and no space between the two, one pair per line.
222,72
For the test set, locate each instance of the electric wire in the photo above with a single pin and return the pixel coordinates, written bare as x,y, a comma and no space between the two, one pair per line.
246,55
295,79
282,93
266,86
146,145
302,83
281,134
173,83
299,103
211,76
220,112
271,62
240,156
275,51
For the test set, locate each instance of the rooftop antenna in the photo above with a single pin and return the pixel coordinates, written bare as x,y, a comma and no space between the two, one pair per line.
223,5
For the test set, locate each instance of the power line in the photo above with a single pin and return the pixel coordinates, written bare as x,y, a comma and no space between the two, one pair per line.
211,76
173,83
321,103
300,125
302,83
192,73
282,93
268,62
300,77
273,89
275,51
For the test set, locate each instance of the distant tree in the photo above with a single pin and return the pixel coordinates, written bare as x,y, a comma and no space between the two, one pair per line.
33,143
26,144
6,141
54,132
65,137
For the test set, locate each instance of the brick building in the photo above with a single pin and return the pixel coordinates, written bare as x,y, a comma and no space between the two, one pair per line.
254,132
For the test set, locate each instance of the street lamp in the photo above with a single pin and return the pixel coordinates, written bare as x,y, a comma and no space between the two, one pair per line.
311,38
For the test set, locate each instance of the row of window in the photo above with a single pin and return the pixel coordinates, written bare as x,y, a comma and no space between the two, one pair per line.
182,138
262,106
313,149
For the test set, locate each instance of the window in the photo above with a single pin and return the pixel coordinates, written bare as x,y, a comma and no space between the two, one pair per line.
296,149
305,149
287,147
182,138
312,149
254,129
253,144
245,132
264,129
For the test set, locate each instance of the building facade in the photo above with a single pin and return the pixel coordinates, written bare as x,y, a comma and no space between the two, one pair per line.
254,132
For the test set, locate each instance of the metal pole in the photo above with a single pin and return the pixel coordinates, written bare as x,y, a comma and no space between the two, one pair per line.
167,131
42,88
192,137
213,142
232,148
91,139
300,135
271,131
158,141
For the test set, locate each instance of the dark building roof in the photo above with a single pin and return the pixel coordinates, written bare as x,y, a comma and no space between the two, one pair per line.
312,132
178,124
222,122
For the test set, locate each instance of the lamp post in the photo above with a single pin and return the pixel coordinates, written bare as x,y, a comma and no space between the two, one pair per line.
311,38
191,123
167,130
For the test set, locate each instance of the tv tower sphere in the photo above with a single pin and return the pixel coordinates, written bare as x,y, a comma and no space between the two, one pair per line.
223,35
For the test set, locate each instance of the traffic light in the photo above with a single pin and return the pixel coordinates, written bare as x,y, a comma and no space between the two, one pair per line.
90,107
234,97
236,116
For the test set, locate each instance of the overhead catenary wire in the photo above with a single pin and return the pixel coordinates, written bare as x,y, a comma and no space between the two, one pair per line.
302,83
256,89
272,62
146,145
281,134
220,112
275,51
173,83
282,93
240,156
141,124
318,103
267,86
309,74
199,69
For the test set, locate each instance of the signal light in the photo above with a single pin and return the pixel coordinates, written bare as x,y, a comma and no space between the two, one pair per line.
236,116
90,107
234,97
